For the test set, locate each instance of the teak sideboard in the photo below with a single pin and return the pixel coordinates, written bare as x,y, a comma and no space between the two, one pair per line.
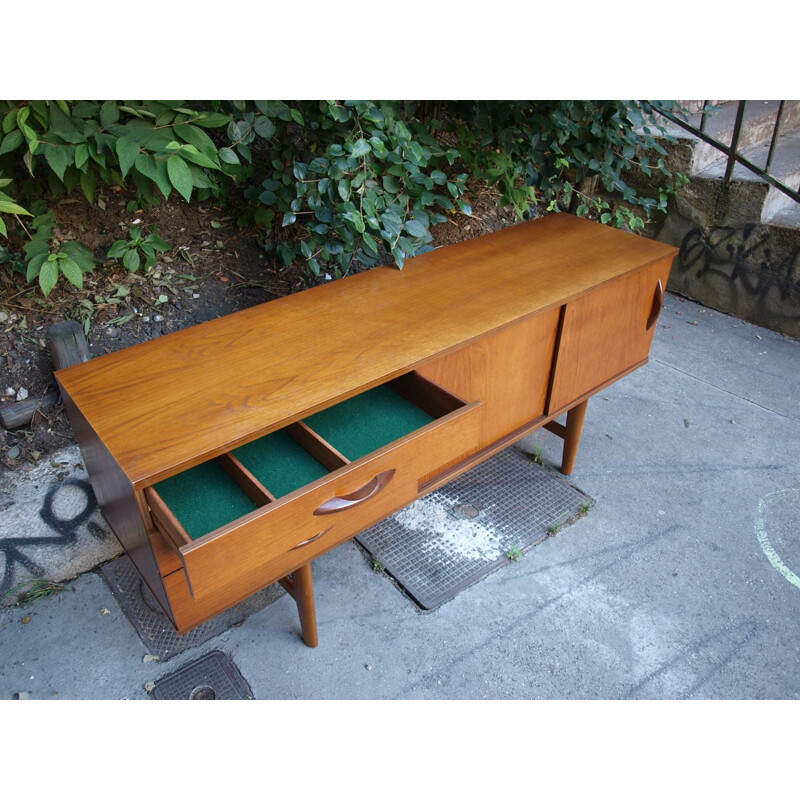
228,456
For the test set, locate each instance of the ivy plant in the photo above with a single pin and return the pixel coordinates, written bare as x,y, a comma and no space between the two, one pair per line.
351,181
548,151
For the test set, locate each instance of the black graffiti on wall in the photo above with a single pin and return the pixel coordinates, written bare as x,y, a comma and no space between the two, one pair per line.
15,550
748,260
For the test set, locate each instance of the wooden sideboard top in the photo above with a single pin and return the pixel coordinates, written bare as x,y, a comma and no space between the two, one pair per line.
164,405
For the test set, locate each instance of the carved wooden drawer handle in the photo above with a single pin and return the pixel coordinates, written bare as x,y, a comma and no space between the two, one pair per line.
376,485
658,303
312,539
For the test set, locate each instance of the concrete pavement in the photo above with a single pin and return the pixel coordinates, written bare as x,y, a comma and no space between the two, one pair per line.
681,582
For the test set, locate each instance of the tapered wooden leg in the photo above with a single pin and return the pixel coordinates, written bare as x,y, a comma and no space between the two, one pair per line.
303,594
572,436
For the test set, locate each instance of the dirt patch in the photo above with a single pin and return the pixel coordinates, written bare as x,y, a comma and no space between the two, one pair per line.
214,268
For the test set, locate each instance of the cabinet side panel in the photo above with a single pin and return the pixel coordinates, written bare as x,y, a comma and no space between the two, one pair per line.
606,333
117,501
508,371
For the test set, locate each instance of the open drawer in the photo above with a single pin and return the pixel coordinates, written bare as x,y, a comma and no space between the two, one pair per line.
249,517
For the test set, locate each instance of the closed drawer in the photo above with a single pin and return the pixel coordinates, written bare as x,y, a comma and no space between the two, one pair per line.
225,565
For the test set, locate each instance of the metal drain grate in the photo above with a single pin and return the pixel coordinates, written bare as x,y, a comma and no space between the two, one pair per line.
212,677
145,614
458,534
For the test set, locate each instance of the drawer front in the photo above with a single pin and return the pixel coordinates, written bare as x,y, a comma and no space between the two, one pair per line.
607,333
226,567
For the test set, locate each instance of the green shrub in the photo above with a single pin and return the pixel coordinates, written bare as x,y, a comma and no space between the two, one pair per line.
548,151
353,181
332,183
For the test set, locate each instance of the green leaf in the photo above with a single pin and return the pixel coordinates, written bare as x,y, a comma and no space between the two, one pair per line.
11,141
208,119
48,276
391,184
71,271
356,219
131,260
58,159
288,219
378,146
361,147
88,185
127,150
370,242
10,121
158,243
3,229
415,228
180,175
12,208
109,114
118,249
228,156
197,137
35,264
264,127
81,155
392,225
78,253
156,171
344,188
200,179
198,158
297,116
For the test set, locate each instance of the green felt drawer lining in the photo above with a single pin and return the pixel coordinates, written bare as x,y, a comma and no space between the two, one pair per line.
280,463
368,421
204,498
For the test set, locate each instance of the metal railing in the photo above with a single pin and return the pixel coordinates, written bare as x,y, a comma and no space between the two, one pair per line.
731,150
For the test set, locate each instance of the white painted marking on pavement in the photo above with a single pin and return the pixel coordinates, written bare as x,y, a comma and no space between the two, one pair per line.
766,545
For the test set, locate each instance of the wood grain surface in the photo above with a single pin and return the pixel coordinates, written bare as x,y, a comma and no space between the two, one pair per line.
605,333
167,404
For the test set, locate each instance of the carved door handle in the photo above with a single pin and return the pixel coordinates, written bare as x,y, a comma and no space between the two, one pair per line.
368,490
658,304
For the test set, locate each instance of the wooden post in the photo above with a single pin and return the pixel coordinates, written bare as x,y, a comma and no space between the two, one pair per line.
15,415
67,344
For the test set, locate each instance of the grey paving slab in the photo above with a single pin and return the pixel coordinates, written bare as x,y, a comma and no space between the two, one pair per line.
50,525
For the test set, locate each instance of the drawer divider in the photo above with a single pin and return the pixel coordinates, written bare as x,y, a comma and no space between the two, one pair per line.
245,479
313,443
